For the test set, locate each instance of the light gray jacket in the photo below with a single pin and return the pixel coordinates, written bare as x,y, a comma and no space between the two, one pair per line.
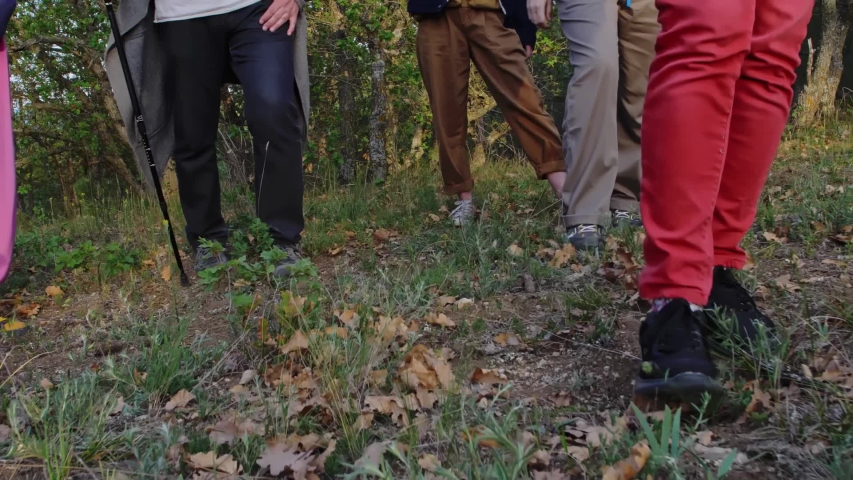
147,63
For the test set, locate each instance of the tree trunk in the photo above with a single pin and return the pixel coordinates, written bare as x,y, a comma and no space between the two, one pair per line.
817,101
378,168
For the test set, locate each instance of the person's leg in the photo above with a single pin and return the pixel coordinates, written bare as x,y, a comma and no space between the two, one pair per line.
196,52
699,56
263,62
762,102
590,118
499,57
638,30
700,53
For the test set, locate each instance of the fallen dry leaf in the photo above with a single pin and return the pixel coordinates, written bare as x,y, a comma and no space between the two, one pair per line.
349,318
166,273
378,377
488,377
515,250
772,237
46,384
552,475
382,235
440,319
477,433
179,400
363,422
784,282
445,301
540,459
509,338
29,310
704,437
628,468
429,462
209,461
463,303
373,454
563,256
580,454
761,401
119,406
562,399
297,342
247,376
53,291
228,430
279,457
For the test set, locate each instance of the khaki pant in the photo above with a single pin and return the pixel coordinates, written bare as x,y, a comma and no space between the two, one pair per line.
446,45
603,162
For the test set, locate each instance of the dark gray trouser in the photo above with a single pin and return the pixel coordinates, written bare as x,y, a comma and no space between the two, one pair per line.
602,162
200,51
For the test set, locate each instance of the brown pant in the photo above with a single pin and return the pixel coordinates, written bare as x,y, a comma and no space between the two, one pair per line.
603,162
446,45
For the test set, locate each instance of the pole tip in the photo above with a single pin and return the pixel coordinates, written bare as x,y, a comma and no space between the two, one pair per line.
185,281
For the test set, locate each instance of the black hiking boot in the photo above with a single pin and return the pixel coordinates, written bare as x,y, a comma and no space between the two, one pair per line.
585,237
284,268
625,218
205,258
729,299
676,364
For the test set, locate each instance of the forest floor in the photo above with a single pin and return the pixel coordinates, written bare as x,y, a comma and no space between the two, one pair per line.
407,348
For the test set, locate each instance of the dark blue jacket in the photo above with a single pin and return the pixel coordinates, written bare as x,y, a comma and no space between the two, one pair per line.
515,12
6,9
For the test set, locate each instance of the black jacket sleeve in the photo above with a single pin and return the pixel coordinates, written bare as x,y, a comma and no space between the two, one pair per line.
6,9
515,12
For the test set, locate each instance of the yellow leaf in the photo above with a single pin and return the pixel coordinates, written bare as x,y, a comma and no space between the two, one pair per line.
53,291
166,273
628,468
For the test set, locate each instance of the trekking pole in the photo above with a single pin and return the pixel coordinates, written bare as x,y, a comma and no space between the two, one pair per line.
140,125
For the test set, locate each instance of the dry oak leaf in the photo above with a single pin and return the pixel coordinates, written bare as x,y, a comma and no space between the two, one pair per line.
429,462
247,376
761,401
166,273
540,459
228,430
297,342
53,291
29,310
562,399
349,318
426,399
46,384
628,468
179,400
320,462
378,377
279,457
488,377
563,256
784,282
515,250
209,461
704,437
580,454
445,301
463,303
372,456
363,422
482,435
508,338
440,319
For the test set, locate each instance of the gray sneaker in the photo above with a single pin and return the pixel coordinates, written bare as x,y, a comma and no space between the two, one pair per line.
585,237
463,213
293,255
205,258
625,218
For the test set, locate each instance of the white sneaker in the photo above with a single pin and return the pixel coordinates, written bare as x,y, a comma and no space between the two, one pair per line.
463,213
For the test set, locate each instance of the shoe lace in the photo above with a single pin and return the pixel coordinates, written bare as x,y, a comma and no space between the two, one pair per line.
622,215
463,210
584,229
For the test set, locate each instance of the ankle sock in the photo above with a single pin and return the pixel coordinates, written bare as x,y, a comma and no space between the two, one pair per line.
659,303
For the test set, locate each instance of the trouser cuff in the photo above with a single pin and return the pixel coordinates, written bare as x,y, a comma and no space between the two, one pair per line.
625,204
465,186
600,220
545,169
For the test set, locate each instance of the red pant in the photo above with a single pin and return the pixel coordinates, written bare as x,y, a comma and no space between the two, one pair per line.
720,91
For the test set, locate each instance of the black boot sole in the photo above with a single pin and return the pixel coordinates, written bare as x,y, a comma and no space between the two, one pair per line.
686,388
